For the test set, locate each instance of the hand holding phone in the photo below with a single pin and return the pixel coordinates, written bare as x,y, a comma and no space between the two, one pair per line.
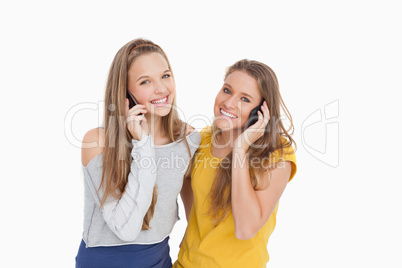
135,118
253,118
250,135
131,100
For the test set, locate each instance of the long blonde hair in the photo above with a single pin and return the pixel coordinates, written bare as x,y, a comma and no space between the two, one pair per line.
262,148
117,151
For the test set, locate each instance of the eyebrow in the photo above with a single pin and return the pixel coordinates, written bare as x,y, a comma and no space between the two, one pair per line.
146,76
248,95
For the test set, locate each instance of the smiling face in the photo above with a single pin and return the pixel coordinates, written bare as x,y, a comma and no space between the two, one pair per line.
150,81
234,102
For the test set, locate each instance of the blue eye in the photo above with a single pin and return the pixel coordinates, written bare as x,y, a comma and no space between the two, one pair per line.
227,91
166,76
144,82
245,99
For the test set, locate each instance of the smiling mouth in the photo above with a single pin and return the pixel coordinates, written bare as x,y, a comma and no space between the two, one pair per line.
160,102
227,114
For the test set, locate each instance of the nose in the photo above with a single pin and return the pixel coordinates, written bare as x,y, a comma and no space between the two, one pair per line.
160,88
230,103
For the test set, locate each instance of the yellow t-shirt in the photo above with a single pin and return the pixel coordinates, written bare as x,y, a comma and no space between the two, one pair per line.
207,246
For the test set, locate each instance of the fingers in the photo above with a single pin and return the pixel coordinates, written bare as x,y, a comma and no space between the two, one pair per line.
136,118
265,110
127,107
263,118
136,113
135,126
136,110
261,121
256,131
266,114
260,116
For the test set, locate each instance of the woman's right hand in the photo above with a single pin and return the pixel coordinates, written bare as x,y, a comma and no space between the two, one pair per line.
134,120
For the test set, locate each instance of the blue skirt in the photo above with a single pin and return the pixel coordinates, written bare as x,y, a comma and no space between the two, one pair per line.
127,256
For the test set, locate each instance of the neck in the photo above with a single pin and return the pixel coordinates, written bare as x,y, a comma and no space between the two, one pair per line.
227,138
154,126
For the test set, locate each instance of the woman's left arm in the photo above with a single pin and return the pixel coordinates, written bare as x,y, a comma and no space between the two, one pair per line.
251,209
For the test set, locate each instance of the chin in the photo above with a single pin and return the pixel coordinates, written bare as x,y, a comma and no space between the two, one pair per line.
162,112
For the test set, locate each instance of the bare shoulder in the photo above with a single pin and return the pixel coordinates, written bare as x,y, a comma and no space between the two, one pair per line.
189,129
92,144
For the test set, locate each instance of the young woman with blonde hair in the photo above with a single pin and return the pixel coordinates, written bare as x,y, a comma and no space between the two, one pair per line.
134,166
239,172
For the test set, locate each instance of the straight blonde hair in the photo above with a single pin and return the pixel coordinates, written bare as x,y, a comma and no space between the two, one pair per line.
262,148
117,151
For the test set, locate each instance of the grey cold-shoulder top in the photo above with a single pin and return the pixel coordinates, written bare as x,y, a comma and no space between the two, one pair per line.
119,221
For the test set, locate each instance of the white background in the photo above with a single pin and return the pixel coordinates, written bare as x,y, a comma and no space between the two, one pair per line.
343,208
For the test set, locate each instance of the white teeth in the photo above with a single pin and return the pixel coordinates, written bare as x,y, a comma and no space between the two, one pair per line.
228,114
159,101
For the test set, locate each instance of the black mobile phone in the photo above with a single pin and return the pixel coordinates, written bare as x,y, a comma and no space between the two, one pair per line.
253,118
131,100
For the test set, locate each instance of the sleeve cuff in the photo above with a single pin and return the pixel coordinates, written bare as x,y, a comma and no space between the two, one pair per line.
144,141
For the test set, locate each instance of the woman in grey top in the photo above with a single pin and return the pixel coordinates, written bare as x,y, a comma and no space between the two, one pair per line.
134,166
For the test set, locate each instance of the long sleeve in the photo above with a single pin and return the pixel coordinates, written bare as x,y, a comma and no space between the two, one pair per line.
125,216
